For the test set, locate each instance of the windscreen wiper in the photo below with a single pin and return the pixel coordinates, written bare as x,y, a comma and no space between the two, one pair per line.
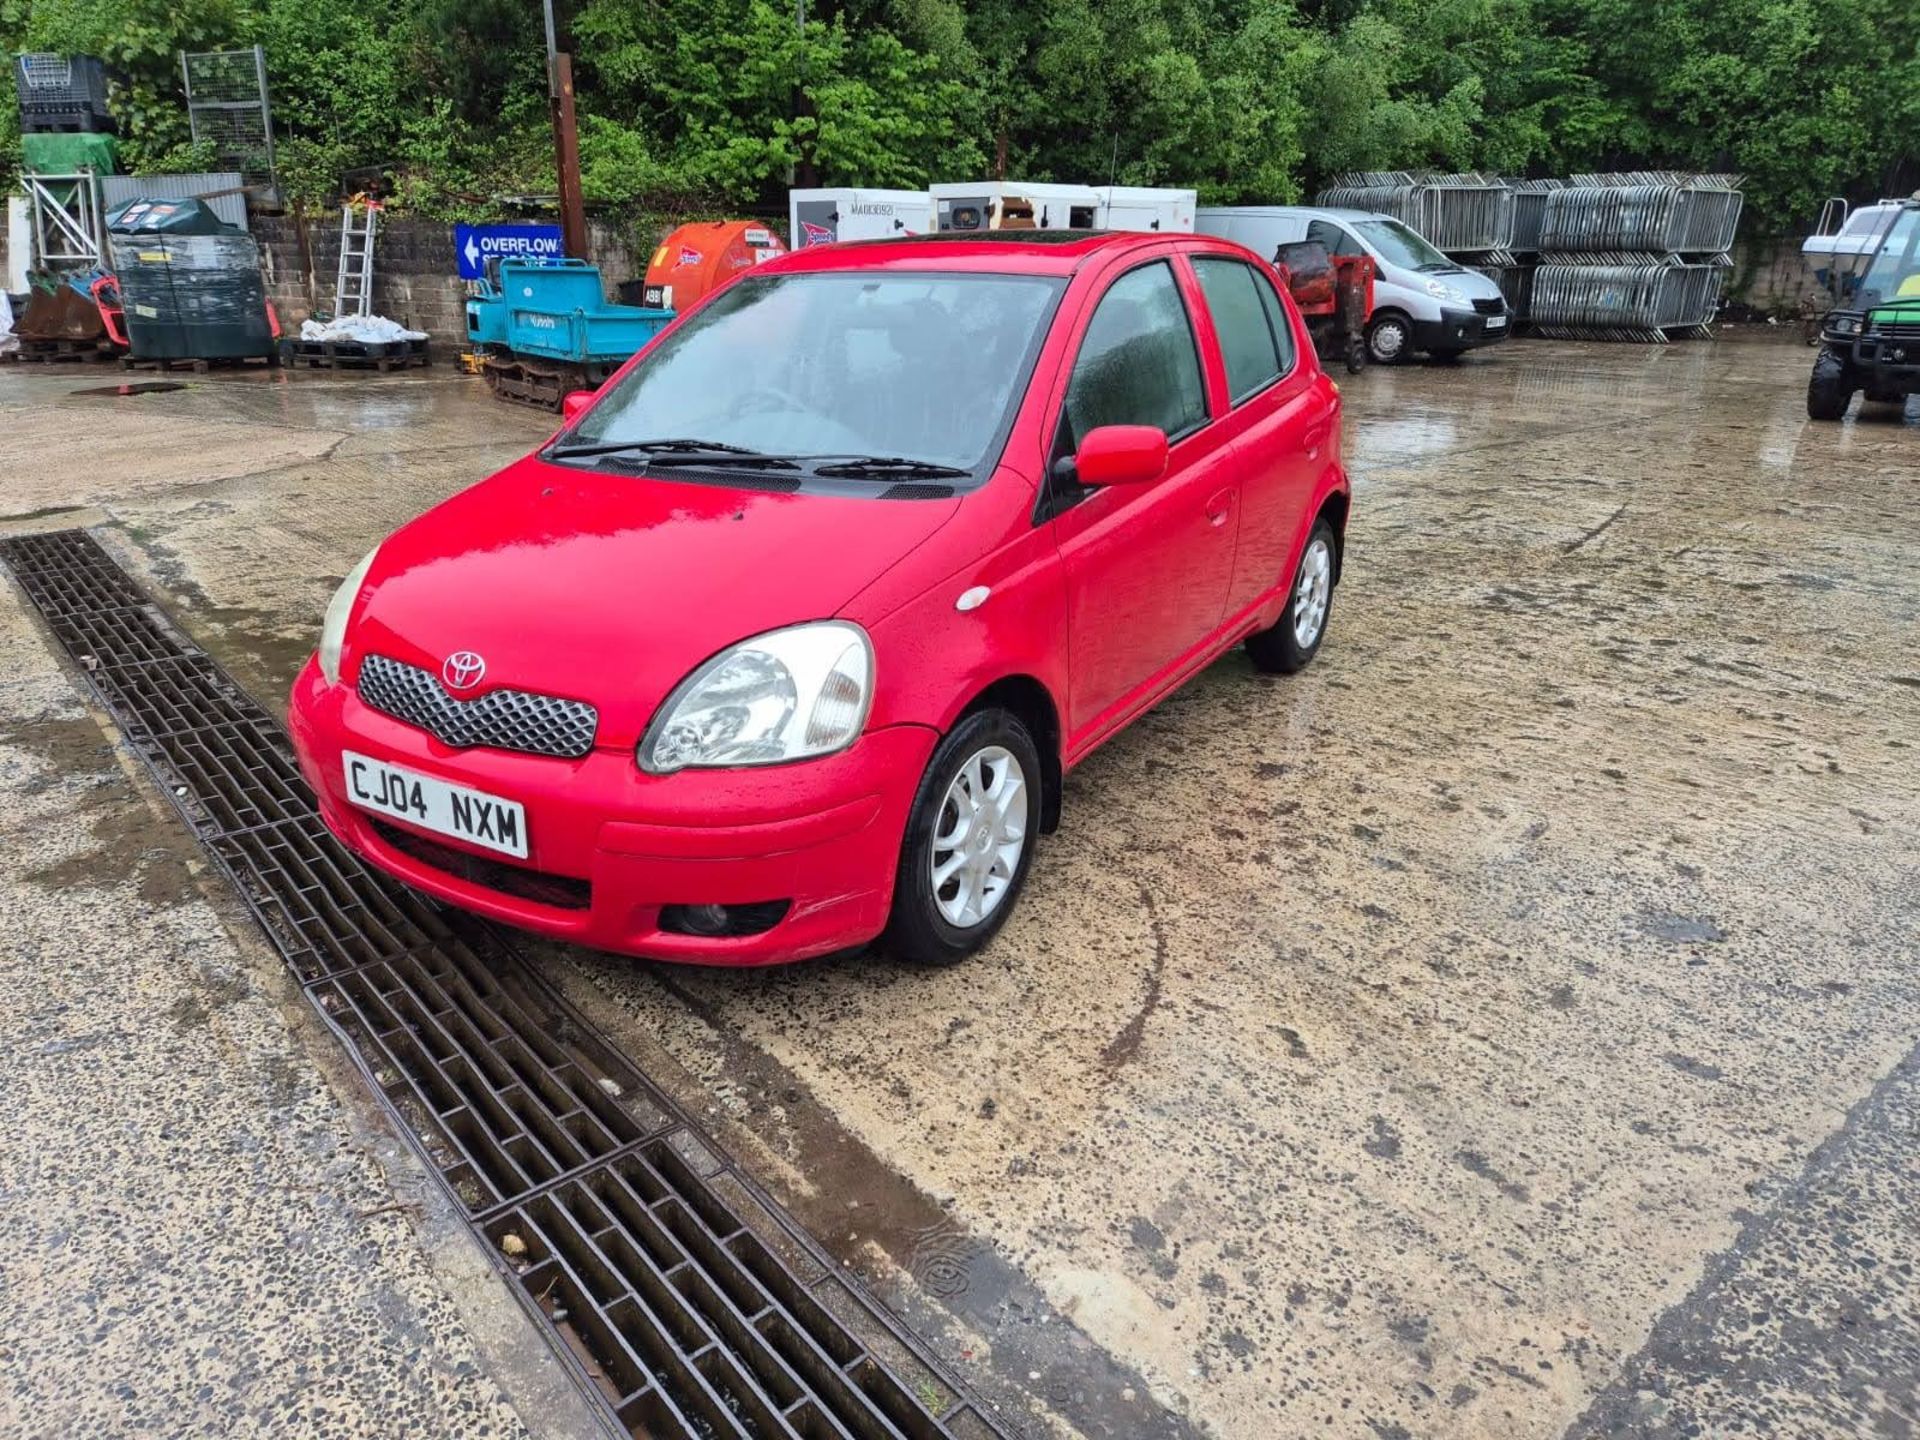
858,466
662,454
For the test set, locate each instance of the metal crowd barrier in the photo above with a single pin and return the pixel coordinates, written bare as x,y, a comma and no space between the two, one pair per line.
1623,296
1653,211
1530,213
1468,213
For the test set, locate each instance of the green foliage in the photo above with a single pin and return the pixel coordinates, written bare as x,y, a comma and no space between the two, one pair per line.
195,157
696,105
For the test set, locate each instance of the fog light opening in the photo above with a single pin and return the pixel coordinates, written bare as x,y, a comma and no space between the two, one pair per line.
714,922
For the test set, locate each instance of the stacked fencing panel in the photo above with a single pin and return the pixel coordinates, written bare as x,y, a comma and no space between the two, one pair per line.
1468,216
1515,278
1633,256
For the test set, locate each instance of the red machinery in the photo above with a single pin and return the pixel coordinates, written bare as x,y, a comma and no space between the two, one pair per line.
1335,296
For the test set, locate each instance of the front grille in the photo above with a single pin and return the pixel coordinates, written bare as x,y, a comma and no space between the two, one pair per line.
563,892
1898,330
500,719
1490,307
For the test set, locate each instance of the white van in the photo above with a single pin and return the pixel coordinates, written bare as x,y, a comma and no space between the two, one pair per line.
820,217
1421,299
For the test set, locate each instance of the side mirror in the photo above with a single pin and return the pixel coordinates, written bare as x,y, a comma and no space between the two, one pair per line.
576,401
1121,455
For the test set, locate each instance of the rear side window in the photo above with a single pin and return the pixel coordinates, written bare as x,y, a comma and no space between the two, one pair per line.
1138,364
1276,317
1255,342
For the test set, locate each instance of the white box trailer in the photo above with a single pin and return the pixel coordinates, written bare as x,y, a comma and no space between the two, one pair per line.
1142,207
820,217
1014,205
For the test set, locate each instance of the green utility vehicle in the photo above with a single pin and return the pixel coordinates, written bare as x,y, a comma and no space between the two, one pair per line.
1874,343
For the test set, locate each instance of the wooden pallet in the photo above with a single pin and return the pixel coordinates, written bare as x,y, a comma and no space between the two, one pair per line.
61,352
358,355
198,364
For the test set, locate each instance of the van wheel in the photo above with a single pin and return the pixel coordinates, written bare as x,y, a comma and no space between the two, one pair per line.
969,841
1389,339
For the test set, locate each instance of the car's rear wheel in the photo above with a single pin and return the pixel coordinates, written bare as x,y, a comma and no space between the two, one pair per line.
1830,388
969,841
1295,639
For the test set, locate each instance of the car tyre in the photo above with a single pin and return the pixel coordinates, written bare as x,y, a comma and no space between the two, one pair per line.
1830,388
1389,339
931,922
1293,640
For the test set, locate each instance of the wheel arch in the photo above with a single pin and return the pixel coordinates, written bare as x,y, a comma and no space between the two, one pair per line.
1334,510
1028,698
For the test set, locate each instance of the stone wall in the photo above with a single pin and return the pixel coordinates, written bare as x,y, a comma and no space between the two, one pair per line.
1770,274
415,278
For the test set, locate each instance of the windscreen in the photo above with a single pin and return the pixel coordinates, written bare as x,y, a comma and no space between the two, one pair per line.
1403,247
1894,273
921,366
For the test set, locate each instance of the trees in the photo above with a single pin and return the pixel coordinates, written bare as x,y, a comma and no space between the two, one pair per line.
1242,99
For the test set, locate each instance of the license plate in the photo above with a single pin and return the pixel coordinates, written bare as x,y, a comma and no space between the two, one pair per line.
1496,322
469,815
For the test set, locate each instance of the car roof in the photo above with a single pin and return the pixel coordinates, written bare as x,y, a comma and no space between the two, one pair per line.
1012,252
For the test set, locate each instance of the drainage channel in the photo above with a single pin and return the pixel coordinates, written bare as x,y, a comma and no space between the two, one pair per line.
679,1294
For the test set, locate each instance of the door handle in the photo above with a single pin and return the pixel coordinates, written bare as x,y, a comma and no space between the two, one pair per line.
1219,507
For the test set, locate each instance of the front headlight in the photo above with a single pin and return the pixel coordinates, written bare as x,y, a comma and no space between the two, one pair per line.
1439,291
333,630
1847,325
787,695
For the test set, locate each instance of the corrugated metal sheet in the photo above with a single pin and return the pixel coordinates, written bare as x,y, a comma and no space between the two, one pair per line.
117,190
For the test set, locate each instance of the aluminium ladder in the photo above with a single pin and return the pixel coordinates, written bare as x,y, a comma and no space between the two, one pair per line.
353,288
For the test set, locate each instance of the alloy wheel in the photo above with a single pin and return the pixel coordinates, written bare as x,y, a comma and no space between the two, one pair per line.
979,837
1312,588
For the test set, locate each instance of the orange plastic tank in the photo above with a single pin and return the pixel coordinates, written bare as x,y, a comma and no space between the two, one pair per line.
703,256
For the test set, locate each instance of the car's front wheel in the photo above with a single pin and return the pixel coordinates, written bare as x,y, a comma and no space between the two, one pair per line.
1295,639
969,840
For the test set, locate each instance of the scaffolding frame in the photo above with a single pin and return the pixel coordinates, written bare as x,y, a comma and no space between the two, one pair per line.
69,227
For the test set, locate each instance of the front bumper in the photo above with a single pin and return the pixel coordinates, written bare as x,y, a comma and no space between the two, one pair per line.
1460,330
1894,357
823,834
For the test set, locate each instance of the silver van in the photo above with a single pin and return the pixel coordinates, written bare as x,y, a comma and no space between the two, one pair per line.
1421,299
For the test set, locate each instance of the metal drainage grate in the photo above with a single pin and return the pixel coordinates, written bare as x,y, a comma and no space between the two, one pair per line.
676,1290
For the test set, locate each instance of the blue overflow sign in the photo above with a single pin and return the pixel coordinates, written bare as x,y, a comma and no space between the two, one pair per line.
476,244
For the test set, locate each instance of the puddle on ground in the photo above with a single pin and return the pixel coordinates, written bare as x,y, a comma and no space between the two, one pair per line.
134,387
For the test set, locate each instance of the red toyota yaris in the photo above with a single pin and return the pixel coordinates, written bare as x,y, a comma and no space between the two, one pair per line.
786,639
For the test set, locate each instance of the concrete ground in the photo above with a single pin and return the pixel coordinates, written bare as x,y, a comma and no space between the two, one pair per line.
1505,1027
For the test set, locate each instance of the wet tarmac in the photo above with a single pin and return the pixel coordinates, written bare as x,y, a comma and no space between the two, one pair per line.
1504,1027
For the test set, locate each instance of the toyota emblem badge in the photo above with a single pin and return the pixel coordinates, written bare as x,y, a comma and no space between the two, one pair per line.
463,670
